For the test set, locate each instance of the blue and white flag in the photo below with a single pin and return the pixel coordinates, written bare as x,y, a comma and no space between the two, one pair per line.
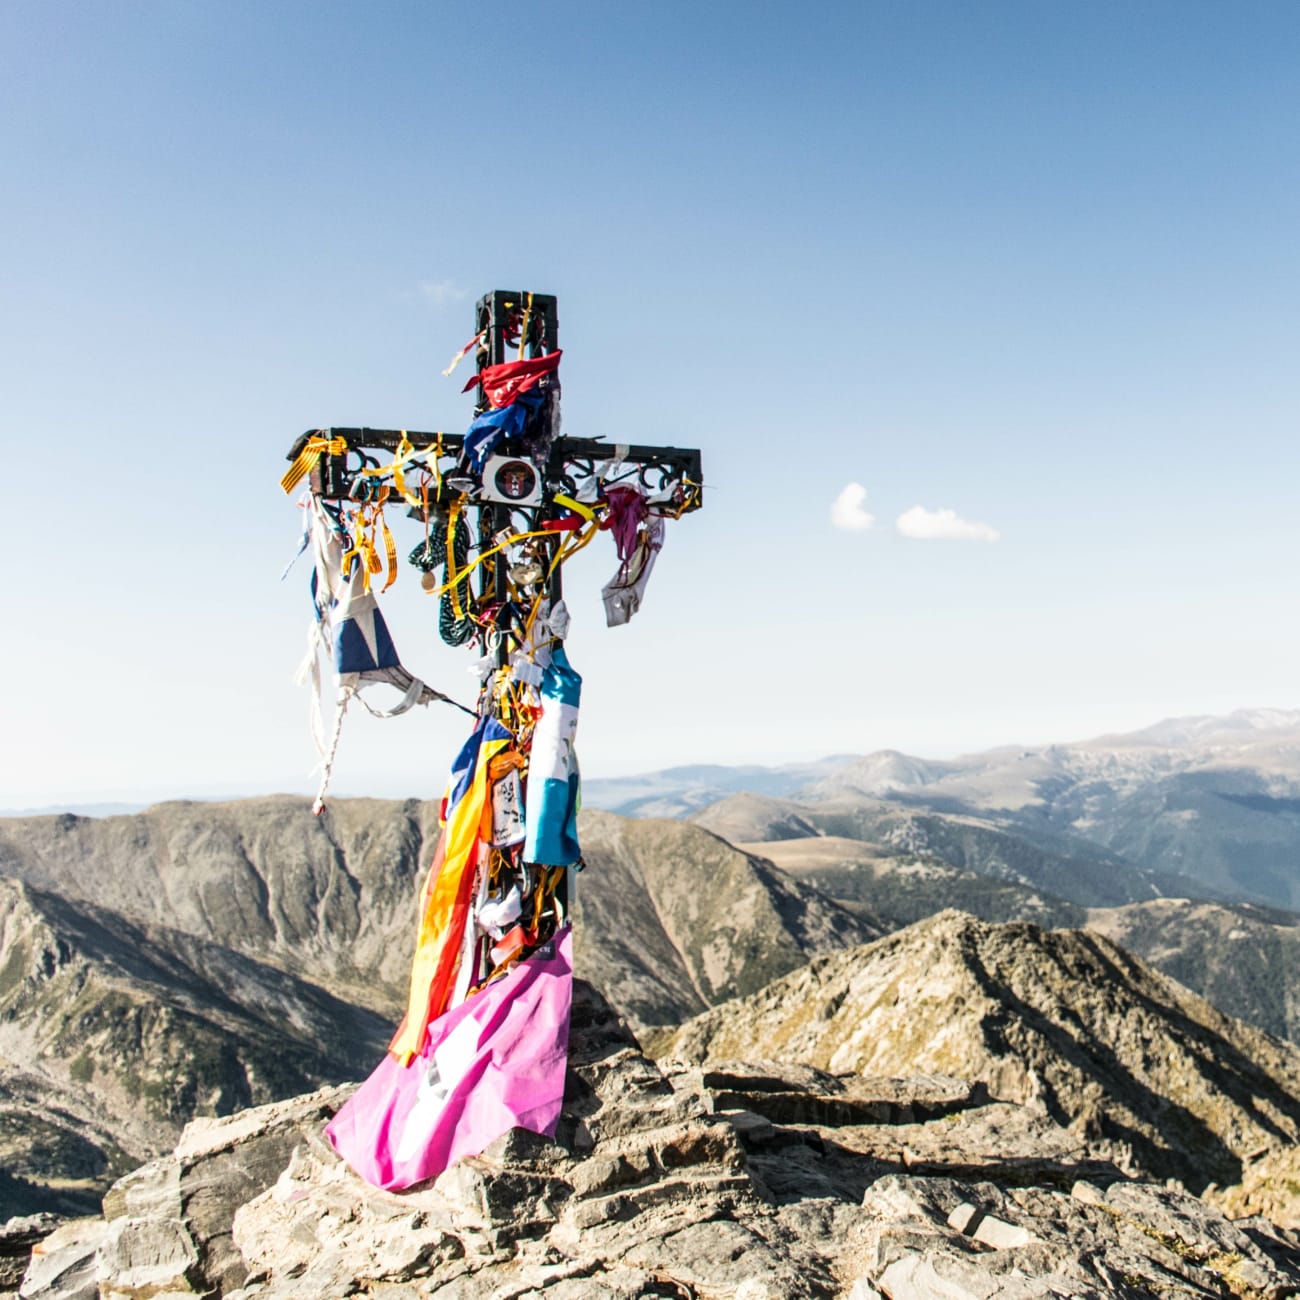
551,799
362,642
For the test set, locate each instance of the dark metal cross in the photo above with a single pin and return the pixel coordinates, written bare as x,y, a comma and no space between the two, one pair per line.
528,484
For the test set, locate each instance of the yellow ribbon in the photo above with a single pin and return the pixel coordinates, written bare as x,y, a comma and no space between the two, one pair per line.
562,552
405,451
576,506
390,547
369,523
472,566
313,449
453,578
523,333
690,498
357,550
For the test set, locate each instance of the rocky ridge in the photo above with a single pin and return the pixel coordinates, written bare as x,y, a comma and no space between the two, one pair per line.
760,1181
332,899
1130,1061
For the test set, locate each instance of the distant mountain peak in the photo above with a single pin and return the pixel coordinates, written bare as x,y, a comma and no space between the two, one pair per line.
1241,725
881,772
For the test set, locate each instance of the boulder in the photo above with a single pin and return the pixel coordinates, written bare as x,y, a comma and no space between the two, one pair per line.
169,1222
63,1264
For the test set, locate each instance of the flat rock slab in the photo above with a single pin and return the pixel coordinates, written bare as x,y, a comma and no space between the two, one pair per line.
63,1265
927,1238
17,1238
170,1221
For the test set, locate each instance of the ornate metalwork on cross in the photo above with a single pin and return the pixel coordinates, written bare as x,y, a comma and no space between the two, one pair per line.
501,508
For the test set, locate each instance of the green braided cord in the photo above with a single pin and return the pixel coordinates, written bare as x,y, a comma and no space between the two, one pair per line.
426,557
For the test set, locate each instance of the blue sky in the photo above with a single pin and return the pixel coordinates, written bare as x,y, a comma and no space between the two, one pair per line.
1034,264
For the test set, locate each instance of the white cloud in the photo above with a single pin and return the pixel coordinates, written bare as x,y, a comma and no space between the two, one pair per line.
847,509
943,525
439,292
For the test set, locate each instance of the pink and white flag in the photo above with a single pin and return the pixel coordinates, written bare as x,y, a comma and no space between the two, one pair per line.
495,1062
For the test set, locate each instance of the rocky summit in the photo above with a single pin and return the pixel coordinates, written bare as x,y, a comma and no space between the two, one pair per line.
759,1181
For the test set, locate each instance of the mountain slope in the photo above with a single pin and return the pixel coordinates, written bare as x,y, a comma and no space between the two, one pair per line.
322,897
1055,863
673,919
113,1034
900,890
334,898
1245,960
1118,1052
1213,799
746,817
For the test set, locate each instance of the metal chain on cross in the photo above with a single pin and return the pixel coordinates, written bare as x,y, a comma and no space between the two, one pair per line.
500,509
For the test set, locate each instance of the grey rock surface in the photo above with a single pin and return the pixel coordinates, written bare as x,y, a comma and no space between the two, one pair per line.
63,1265
18,1237
169,1222
654,1187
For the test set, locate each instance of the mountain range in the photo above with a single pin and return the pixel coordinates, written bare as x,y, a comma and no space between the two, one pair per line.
197,958
1205,805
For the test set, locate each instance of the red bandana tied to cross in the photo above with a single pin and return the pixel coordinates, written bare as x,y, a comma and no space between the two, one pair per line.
503,383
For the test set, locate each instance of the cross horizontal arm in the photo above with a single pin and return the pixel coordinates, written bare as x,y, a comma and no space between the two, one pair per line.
569,458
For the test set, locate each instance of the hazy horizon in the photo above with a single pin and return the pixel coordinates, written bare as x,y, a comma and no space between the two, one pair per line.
123,801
